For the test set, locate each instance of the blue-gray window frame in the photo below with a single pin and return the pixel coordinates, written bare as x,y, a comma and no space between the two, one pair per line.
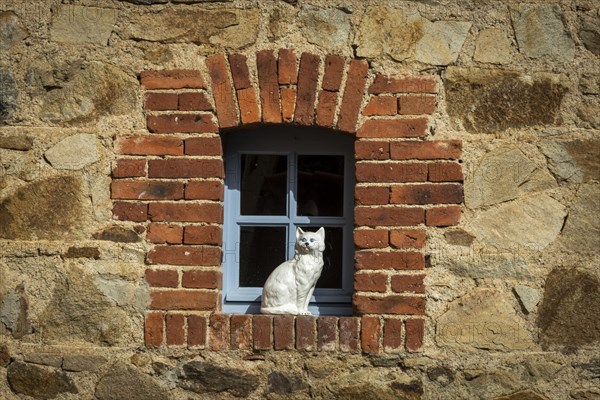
291,141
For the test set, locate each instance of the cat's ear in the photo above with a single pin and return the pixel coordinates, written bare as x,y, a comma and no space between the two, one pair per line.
299,232
321,233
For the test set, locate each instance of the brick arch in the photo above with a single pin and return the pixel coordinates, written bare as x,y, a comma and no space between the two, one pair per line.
170,181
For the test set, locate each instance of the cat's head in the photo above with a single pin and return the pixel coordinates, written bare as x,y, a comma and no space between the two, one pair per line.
307,242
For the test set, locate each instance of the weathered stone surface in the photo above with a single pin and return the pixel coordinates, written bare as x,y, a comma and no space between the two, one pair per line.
281,383
522,395
492,46
531,223
91,92
528,297
4,355
441,42
49,359
485,263
390,31
573,161
483,319
16,142
124,294
500,176
490,100
229,27
590,33
74,152
568,314
205,377
12,30
543,369
282,21
83,252
80,24
581,232
118,234
325,27
459,237
125,382
14,312
54,209
489,384
38,382
588,114
374,384
8,94
540,31
78,310
585,394
442,375
589,83
80,363
146,2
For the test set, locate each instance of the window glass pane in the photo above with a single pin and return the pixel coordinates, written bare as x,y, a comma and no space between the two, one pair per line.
263,184
331,277
262,249
320,185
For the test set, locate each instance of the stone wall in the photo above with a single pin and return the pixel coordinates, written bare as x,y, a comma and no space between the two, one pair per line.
511,291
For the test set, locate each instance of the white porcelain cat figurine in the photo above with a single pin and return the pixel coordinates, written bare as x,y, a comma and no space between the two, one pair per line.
290,286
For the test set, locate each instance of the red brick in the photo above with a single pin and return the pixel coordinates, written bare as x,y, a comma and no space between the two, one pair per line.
370,334
440,193
381,105
194,101
153,329
349,331
175,329
288,75
164,233
222,91
308,76
371,238
407,238
203,146
204,190
326,108
442,216
145,190
183,300
185,168
288,103
306,332
218,331
262,329
387,84
334,70
184,123
248,105
185,255
392,334
389,304
327,333
415,332
204,234
199,279
419,150
160,101
367,150
125,168
172,79
241,332
400,260
393,128
186,212
372,172
196,330
353,94
370,282
283,332
269,88
136,212
149,145
162,278
388,216
445,172
416,105
371,195
408,283
239,71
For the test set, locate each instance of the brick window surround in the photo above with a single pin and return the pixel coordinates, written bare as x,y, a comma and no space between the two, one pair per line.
170,181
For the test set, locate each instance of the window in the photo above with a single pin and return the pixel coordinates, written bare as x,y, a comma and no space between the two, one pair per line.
276,179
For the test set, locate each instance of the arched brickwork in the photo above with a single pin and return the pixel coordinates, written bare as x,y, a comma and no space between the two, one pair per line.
170,181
